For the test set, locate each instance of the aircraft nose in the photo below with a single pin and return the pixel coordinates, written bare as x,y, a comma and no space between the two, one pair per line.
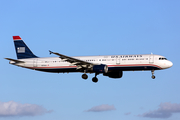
170,64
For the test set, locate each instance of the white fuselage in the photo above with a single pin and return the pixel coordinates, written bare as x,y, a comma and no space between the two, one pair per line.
114,62
109,65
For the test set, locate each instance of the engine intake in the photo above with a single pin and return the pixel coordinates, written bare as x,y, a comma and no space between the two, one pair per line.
100,68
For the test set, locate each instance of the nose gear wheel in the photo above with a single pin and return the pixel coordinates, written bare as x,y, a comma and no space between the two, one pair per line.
153,77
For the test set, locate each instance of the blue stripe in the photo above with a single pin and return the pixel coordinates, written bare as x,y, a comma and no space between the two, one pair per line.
136,68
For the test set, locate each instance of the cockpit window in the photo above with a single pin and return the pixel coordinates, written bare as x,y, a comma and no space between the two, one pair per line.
162,58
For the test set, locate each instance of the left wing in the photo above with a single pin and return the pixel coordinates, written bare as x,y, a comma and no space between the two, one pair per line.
16,61
79,63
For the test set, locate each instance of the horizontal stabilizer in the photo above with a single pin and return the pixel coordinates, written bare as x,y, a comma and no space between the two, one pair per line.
17,61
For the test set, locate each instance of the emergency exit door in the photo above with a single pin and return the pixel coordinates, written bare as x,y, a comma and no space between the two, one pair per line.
117,61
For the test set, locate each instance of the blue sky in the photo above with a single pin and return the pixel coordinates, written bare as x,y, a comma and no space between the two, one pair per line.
82,28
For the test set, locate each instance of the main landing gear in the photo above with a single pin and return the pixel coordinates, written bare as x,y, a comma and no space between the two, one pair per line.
84,76
94,79
153,77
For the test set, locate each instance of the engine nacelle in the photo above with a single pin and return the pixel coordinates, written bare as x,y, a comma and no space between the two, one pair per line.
115,74
100,68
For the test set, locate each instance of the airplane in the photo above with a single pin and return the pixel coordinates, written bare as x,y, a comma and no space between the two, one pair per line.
108,65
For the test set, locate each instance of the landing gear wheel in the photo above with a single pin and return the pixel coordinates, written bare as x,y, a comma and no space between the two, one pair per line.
94,79
153,77
84,76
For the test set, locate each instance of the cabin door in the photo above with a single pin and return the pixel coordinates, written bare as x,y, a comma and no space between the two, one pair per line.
151,58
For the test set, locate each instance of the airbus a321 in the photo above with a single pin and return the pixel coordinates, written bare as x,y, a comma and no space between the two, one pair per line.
109,65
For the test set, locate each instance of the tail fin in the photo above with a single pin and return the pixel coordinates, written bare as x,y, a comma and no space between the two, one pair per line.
22,50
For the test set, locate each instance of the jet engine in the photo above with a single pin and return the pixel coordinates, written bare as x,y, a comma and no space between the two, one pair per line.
100,68
114,74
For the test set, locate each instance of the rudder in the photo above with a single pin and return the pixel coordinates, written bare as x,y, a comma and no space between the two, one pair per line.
22,50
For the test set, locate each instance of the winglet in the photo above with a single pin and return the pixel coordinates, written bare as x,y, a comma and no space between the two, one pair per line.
17,38
50,52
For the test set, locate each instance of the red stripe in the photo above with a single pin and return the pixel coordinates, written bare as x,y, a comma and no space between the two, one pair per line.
133,65
17,38
54,67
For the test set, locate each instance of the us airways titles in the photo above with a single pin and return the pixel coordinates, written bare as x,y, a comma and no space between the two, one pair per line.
125,56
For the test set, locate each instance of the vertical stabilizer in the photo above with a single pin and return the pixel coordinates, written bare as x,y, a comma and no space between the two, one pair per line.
22,50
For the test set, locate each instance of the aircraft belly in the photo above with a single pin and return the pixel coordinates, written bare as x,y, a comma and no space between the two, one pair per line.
112,68
133,68
57,70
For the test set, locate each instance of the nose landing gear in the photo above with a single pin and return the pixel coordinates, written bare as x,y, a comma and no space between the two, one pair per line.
153,77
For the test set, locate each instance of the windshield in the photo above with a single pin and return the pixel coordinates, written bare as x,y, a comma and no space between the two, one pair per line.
162,58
